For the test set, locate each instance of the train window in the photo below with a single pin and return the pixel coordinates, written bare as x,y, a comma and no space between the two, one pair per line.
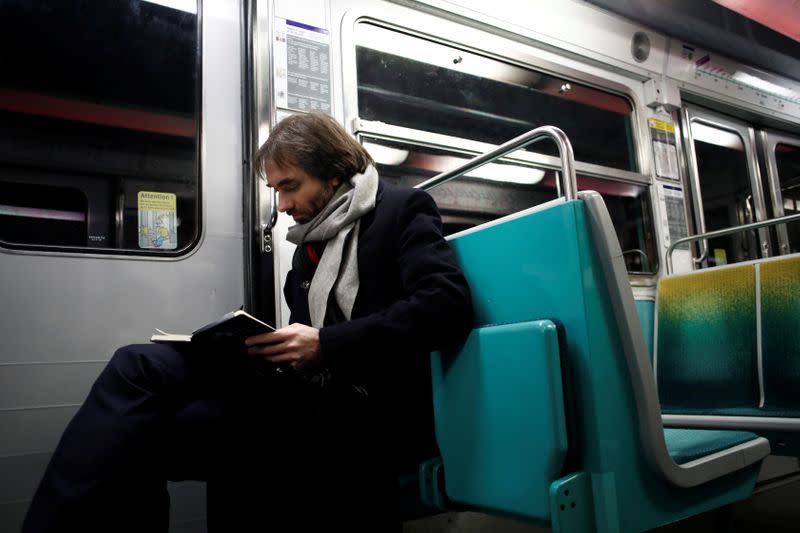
725,189
787,160
504,187
724,159
410,82
38,214
99,126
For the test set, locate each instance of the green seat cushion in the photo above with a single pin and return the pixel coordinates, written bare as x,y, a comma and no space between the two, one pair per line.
686,445
766,411
718,411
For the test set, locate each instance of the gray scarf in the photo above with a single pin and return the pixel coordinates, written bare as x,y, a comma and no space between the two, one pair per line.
337,223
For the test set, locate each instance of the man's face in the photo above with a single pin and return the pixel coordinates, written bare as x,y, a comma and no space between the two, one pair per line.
300,195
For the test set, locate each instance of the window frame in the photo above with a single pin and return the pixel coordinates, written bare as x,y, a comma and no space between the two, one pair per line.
769,140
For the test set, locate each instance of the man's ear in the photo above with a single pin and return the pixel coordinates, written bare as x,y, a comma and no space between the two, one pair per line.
336,182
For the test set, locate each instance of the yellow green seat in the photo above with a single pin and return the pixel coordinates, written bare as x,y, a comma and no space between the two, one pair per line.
706,341
780,326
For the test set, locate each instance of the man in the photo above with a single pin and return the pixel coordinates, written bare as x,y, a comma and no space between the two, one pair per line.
373,289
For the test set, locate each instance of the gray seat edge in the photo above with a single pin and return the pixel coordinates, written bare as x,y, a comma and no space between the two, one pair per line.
651,429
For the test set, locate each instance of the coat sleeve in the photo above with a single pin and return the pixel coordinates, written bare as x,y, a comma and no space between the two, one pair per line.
435,311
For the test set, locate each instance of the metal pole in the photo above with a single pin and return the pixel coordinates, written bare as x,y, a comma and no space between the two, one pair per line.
726,231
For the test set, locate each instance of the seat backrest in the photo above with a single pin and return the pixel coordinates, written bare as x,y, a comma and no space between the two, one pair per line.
706,339
780,327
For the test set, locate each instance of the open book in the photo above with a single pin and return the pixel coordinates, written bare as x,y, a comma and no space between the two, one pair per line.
234,327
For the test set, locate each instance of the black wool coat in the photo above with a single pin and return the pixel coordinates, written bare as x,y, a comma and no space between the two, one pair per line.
412,299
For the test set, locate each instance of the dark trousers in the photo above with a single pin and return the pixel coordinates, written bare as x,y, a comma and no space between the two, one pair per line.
279,454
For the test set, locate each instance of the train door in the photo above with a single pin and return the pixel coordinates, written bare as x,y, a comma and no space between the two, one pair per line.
781,153
726,185
120,204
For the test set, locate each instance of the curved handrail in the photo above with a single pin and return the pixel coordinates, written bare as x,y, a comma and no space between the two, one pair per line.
273,210
641,253
272,219
726,231
569,185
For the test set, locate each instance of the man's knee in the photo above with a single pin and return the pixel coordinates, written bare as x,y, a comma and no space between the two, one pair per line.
140,364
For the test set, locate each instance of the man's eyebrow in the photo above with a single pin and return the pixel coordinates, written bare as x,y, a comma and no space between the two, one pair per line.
284,181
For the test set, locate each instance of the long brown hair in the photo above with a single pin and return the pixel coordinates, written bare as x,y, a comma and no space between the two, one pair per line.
316,143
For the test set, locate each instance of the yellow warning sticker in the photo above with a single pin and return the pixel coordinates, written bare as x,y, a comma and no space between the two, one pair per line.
158,220
720,256
158,201
661,125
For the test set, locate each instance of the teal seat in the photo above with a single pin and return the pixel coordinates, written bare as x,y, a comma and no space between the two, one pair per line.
701,409
496,400
687,445
562,261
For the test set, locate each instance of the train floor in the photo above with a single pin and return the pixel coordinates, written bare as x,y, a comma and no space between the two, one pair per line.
774,510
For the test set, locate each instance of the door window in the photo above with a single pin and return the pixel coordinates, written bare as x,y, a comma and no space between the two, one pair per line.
723,172
787,161
99,126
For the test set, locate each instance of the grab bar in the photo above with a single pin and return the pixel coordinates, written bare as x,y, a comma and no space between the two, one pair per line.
569,185
726,231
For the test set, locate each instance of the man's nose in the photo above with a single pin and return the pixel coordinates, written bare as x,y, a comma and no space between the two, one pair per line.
283,203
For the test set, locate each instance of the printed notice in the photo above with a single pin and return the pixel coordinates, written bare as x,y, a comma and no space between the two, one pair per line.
158,217
676,217
664,149
720,257
302,67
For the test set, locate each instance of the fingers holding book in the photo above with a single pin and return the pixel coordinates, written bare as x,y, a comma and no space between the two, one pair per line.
296,345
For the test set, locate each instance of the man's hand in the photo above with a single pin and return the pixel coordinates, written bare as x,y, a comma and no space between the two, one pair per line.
296,344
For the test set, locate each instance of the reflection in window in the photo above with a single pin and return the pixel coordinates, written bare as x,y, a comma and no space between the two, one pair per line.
787,158
726,193
102,103
37,214
502,188
414,83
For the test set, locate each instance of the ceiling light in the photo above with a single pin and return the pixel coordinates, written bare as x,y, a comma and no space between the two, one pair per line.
190,6
764,85
716,136
508,174
385,155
